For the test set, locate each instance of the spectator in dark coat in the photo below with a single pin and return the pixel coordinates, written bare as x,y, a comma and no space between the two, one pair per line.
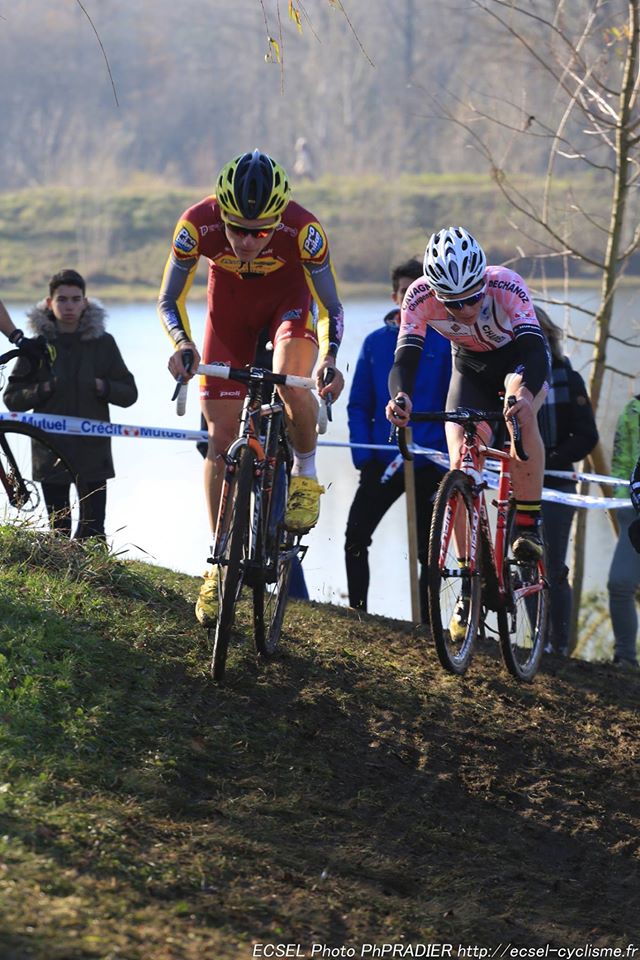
569,433
85,376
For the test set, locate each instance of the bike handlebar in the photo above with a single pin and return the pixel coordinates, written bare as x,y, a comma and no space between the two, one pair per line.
241,374
462,415
28,355
247,374
9,355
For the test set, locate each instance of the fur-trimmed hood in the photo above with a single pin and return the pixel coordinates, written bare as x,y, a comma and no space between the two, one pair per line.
92,322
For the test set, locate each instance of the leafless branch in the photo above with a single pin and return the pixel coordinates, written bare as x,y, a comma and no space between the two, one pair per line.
104,52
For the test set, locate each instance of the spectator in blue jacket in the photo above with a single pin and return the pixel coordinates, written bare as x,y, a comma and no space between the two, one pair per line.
380,484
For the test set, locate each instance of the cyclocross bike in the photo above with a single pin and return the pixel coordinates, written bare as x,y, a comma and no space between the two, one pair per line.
30,457
252,548
470,571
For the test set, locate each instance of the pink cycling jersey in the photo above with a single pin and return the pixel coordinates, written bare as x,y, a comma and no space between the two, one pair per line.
506,313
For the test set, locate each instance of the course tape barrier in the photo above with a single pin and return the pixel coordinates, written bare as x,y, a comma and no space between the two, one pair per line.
77,426
489,475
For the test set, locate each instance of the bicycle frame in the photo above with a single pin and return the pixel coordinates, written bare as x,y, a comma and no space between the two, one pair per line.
472,572
250,435
473,453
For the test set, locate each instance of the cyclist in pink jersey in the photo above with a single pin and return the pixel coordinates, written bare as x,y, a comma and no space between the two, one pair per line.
269,266
487,314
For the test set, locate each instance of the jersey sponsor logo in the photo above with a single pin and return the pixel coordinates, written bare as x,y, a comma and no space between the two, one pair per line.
511,287
185,239
285,228
314,241
414,302
206,228
259,267
491,334
172,319
528,326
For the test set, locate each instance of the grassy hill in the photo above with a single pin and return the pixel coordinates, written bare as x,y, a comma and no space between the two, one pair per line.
349,793
119,239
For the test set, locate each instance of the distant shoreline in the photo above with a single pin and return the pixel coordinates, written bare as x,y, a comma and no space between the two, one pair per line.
137,293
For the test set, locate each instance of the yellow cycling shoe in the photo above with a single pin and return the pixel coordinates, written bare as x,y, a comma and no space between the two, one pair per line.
460,620
207,602
303,505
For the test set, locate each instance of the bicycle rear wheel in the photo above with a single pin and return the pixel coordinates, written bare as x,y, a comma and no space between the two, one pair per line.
454,574
29,458
277,548
234,532
522,623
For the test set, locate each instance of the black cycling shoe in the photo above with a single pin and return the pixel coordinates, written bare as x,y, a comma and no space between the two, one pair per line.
528,546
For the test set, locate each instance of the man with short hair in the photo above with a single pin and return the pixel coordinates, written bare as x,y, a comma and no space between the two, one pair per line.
85,374
268,262
381,477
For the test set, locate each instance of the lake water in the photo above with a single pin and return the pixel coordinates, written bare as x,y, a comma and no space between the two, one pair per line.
156,504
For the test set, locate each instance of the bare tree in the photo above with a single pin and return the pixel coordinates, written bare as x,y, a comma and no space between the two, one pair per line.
585,216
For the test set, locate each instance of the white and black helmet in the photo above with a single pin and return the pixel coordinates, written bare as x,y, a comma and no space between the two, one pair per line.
453,261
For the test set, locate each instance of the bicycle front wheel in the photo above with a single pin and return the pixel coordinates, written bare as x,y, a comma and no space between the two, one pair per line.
277,549
454,574
232,535
522,623
38,485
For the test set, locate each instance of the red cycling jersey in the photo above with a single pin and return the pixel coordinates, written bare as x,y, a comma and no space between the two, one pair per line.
275,290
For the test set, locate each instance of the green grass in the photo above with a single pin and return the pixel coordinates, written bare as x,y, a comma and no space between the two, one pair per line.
349,792
120,240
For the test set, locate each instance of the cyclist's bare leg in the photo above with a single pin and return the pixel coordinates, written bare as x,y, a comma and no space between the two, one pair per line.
222,424
527,476
298,356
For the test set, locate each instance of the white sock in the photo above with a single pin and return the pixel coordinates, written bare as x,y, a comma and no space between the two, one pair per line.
304,464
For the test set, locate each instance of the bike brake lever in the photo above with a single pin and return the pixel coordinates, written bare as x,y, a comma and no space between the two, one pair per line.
180,392
327,377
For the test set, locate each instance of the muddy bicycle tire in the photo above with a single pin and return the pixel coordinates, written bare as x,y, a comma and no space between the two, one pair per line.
522,622
276,549
231,560
447,581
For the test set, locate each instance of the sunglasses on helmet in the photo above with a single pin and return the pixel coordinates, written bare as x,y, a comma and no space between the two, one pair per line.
463,302
260,233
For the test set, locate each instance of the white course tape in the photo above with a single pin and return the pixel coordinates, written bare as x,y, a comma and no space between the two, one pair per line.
77,426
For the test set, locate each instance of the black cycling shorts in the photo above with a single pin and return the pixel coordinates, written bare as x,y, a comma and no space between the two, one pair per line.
477,379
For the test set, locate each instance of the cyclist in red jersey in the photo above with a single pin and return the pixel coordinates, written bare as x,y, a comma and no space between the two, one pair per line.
487,314
269,268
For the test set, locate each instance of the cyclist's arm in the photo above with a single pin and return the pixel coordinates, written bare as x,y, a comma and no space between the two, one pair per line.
315,257
406,360
176,283
31,347
321,280
6,323
534,354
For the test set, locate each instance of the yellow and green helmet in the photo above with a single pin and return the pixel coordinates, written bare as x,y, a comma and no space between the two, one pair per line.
253,186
